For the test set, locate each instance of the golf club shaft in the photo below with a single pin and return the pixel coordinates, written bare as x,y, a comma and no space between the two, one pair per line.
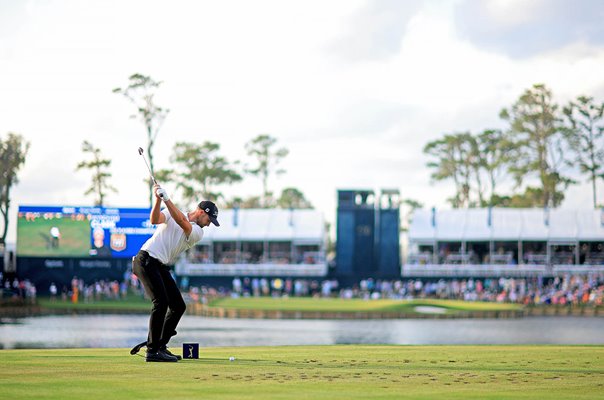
147,164
150,173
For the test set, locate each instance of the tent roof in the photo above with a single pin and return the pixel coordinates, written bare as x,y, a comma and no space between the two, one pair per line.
507,224
299,226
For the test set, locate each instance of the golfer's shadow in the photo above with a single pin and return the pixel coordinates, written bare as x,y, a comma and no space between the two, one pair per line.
47,240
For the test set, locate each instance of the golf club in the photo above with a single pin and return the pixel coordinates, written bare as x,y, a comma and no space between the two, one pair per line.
140,151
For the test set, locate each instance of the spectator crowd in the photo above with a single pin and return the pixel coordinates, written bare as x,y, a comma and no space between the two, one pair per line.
569,289
76,291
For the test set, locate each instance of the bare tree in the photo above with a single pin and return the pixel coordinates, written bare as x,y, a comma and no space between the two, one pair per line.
493,154
293,198
13,152
454,158
538,143
585,136
100,175
261,147
407,208
202,170
141,91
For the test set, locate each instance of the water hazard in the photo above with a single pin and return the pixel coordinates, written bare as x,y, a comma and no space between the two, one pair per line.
127,330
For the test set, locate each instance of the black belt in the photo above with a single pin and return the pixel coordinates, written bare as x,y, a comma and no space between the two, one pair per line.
147,255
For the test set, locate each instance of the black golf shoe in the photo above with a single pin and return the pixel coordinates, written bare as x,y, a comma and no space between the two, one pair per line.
168,352
159,356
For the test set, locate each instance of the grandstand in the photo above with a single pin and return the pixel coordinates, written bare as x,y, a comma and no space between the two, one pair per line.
260,242
291,243
505,242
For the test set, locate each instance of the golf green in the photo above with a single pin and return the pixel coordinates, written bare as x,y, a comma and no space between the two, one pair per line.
354,305
314,372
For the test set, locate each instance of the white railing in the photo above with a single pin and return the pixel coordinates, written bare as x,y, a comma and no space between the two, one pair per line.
293,270
496,270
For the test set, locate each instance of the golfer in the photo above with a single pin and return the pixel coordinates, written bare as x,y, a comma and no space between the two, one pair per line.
176,233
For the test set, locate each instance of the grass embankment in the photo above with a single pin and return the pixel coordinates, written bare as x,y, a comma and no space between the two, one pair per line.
304,304
131,303
355,305
314,372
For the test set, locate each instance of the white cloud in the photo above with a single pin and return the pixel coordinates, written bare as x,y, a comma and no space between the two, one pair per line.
234,70
523,29
510,13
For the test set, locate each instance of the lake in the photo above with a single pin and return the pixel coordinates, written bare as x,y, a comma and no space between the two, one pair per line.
126,330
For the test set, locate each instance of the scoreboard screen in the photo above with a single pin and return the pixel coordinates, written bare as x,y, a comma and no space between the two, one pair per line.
82,231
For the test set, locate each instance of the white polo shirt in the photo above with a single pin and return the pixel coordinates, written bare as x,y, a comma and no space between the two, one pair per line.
169,240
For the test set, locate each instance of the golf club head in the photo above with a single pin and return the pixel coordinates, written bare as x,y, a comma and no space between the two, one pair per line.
137,348
140,151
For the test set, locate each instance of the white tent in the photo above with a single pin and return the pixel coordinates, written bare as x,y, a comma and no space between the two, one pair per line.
515,224
297,226
301,228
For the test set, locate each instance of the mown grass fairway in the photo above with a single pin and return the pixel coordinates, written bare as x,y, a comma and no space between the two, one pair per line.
132,303
313,372
353,305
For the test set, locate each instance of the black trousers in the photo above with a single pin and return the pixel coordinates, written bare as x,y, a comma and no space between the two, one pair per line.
168,305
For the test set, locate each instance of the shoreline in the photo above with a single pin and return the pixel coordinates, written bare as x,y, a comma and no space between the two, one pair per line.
23,311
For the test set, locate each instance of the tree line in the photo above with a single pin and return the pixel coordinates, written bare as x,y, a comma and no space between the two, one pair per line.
544,149
200,169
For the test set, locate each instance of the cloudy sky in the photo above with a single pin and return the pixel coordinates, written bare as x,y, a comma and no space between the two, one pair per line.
354,89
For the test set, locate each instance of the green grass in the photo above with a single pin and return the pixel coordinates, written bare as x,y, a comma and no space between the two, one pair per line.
34,237
137,303
132,302
313,372
353,305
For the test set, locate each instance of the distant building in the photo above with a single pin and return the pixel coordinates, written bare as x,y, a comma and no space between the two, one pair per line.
505,242
260,242
97,243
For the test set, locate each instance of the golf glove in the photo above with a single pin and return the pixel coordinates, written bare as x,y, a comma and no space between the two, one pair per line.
161,192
